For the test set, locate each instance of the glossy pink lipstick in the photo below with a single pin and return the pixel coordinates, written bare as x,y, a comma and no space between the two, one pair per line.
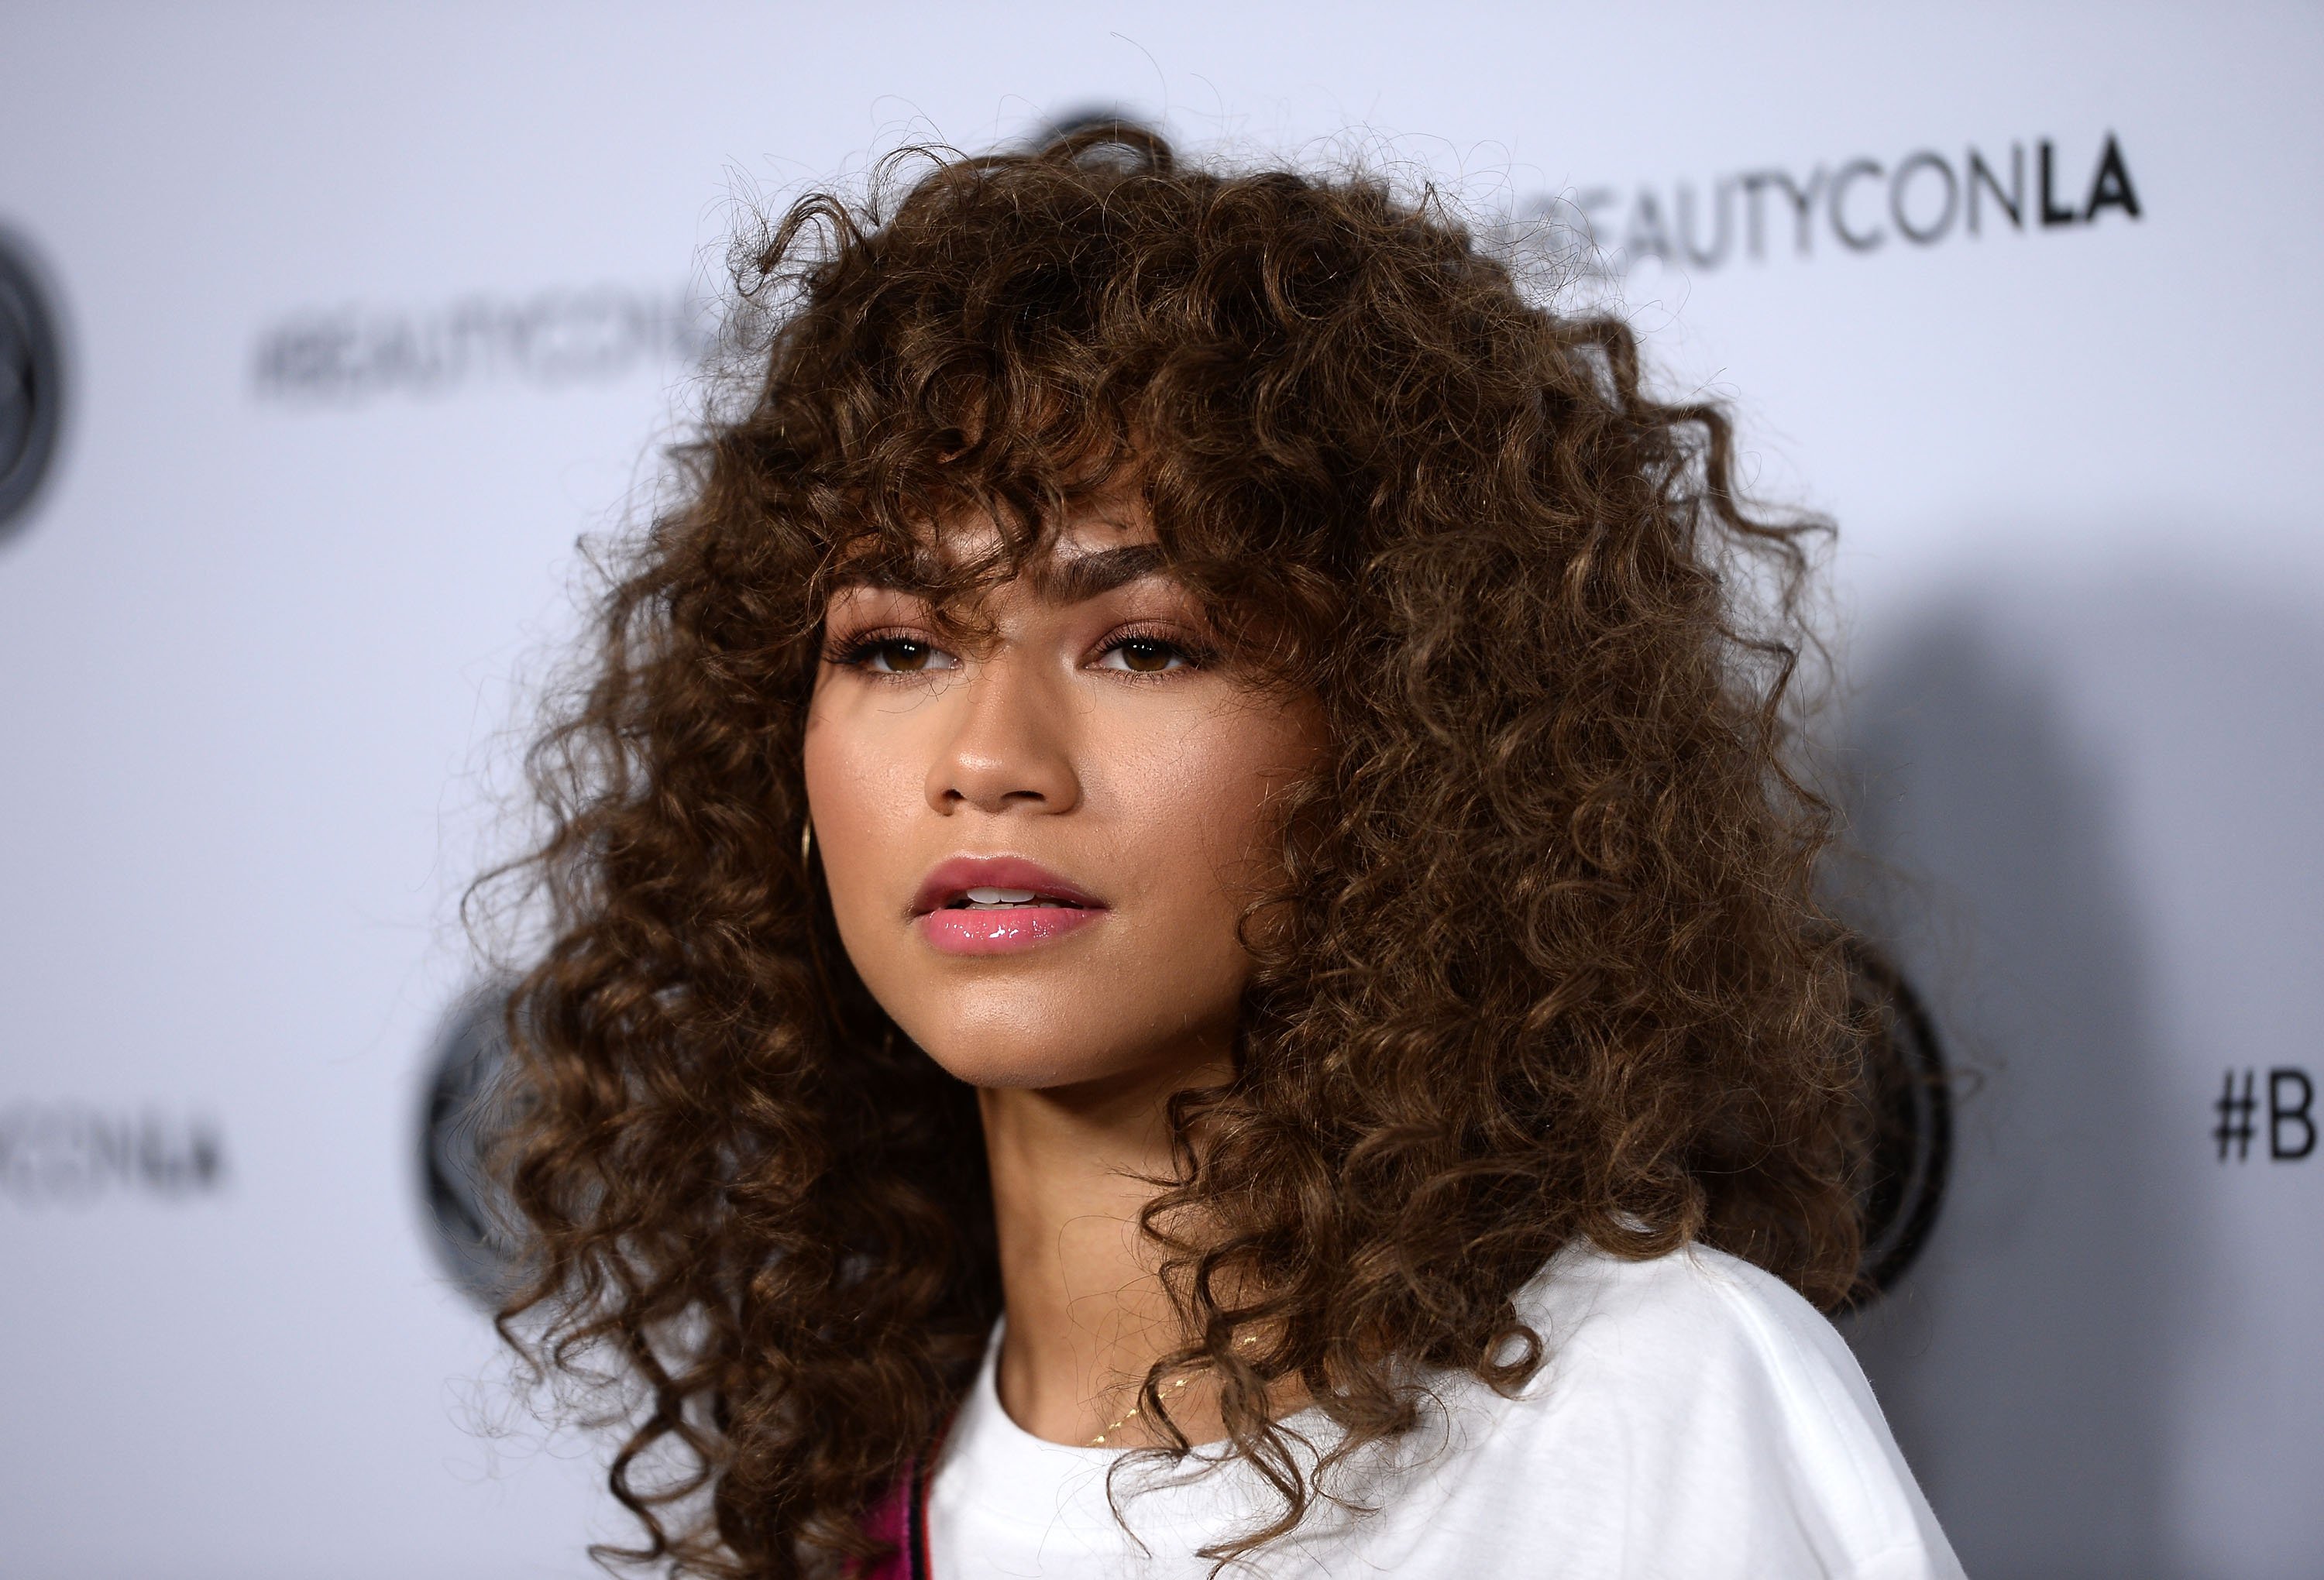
998,905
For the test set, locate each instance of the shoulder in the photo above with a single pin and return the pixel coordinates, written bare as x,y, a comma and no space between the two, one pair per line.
1693,1313
1695,1342
1723,1414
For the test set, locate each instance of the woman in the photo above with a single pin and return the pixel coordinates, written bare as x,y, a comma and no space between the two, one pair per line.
1182,938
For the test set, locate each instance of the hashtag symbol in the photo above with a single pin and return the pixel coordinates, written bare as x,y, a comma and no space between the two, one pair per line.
2235,1118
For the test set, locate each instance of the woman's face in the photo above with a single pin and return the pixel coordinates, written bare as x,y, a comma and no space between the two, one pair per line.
1039,843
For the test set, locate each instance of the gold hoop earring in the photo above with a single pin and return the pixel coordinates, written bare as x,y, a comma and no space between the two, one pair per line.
807,845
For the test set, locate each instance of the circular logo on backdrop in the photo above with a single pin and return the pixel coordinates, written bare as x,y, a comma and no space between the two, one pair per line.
32,383
465,1117
1907,1093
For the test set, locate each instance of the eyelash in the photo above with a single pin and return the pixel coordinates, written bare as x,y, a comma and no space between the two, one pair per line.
859,651
1178,648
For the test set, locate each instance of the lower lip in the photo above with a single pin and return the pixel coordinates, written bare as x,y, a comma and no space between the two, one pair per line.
1002,930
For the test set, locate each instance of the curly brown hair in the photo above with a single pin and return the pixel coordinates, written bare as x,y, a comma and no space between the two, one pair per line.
1545,965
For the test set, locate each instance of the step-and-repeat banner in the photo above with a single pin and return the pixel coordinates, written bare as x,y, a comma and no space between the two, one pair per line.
324,337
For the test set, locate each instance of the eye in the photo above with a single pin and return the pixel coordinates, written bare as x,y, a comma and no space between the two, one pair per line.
898,655
1144,656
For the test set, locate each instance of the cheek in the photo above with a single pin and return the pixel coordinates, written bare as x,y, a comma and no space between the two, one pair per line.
862,784
1201,804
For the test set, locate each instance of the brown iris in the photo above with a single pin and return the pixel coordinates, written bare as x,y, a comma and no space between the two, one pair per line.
1145,657
906,657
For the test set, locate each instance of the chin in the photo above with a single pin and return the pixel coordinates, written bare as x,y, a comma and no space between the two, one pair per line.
1005,1069
1013,1049
1015,1041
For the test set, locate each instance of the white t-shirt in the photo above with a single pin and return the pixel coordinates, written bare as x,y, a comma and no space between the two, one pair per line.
1697,1419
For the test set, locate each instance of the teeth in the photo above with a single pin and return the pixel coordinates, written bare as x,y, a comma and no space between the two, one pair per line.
1001,899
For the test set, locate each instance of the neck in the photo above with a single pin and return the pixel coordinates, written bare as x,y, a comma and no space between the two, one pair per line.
1086,1312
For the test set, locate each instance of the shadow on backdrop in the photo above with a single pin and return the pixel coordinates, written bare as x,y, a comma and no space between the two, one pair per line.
2088,804
2023,1361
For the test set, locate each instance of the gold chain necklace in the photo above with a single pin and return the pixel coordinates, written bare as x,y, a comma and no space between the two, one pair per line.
1172,1386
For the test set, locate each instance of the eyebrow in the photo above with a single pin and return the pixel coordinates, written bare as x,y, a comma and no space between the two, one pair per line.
1082,576
1066,579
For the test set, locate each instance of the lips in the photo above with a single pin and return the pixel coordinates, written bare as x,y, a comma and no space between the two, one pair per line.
998,905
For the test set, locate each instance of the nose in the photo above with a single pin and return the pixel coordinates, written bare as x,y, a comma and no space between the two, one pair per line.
1011,749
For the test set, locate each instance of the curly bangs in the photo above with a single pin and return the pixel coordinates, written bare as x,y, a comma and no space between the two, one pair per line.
1550,968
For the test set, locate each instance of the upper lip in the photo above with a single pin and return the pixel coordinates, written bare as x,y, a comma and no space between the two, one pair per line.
948,879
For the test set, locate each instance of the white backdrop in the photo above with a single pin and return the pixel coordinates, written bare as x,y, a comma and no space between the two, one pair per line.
371,312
